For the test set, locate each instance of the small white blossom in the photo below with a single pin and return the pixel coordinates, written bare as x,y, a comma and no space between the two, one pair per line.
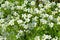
54,12
12,8
16,2
20,33
25,9
24,16
28,9
31,10
1,20
19,21
18,7
56,9
1,38
25,26
36,10
46,37
59,10
25,1
29,15
35,18
42,9
7,3
58,20
40,5
11,22
47,6
44,15
34,24
51,24
53,3
50,17
15,14
58,4
37,38
2,5
23,5
43,21
27,20
32,2
54,39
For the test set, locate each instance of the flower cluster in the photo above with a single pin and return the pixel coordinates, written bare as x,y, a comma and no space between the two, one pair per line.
24,20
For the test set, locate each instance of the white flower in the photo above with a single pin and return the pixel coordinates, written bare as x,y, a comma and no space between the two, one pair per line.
11,4
19,21
34,24
54,39
35,18
51,24
47,6
32,2
24,16
43,21
37,38
11,22
29,15
5,38
20,33
1,38
40,12
17,18
25,26
3,27
25,9
53,3
1,20
1,14
54,12
15,14
18,7
44,15
27,20
16,2
31,10
36,10
2,5
12,8
56,9
28,9
58,4
58,20
25,1
50,17
40,5
59,10
46,37
42,9
23,5
7,3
